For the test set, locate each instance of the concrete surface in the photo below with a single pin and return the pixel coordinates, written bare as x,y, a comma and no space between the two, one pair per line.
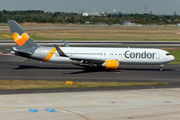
147,104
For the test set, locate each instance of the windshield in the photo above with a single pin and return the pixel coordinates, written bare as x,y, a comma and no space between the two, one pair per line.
168,54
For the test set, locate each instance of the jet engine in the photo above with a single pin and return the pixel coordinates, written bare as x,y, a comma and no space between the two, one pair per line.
111,64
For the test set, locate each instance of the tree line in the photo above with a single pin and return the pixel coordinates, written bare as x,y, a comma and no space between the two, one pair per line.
40,16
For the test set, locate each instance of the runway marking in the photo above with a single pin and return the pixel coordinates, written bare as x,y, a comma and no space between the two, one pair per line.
7,36
11,108
50,110
73,113
34,110
118,72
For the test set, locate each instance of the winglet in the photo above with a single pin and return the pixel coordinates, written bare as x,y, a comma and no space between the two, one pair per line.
66,44
61,53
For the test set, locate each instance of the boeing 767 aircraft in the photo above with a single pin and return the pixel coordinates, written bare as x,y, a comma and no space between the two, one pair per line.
110,58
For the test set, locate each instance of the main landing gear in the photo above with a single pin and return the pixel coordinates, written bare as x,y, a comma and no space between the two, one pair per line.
161,67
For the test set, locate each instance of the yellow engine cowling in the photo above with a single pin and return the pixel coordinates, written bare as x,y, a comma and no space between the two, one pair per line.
111,64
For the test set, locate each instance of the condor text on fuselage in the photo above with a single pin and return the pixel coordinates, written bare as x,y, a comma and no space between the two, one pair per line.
143,55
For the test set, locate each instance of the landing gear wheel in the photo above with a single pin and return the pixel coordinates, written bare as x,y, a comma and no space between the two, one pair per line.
161,67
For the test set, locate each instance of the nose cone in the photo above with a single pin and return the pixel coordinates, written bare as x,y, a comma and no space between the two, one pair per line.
172,57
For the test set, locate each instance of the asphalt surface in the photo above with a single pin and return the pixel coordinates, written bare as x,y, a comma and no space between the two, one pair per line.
34,70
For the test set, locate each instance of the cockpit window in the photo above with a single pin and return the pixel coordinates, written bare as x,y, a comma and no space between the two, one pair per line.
168,54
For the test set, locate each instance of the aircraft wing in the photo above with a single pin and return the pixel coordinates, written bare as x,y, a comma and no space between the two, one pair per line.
61,53
66,44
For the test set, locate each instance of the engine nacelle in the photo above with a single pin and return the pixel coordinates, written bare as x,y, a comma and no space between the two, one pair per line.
111,64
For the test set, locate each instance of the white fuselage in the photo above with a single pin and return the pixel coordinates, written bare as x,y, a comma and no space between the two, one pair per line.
123,55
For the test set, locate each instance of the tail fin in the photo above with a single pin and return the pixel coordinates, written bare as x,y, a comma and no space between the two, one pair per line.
21,38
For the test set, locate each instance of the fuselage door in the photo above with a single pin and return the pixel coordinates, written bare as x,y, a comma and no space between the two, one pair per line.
44,53
158,55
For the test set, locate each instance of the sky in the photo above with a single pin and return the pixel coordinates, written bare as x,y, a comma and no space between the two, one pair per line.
166,7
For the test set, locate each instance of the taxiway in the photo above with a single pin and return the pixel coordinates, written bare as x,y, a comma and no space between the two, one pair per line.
34,70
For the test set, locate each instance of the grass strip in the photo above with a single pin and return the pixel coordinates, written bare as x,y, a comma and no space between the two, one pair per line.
47,84
174,63
176,54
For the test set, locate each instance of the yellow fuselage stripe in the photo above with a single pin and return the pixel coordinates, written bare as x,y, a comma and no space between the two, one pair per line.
51,53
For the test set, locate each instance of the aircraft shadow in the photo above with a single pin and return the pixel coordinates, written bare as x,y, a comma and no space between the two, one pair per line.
89,70
85,69
38,67
145,69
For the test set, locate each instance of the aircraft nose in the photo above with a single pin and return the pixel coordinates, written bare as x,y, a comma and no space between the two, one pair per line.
172,57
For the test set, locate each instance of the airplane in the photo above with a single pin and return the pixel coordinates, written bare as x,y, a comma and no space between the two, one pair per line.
110,58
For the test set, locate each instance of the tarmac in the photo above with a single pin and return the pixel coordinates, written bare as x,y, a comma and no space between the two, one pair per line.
34,70
112,103
146,104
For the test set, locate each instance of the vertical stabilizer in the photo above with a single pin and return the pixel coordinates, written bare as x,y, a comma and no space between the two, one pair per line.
21,38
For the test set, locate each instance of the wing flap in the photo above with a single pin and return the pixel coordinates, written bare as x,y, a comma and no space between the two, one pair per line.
89,59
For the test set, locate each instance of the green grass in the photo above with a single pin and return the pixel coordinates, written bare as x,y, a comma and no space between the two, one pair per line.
3,24
176,54
175,63
45,84
98,39
40,38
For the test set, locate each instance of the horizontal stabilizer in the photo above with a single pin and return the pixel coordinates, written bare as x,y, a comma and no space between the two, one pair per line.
22,53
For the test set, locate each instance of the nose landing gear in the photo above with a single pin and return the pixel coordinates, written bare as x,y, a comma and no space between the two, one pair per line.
161,67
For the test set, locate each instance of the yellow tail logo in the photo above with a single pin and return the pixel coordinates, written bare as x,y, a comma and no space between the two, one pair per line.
20,40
